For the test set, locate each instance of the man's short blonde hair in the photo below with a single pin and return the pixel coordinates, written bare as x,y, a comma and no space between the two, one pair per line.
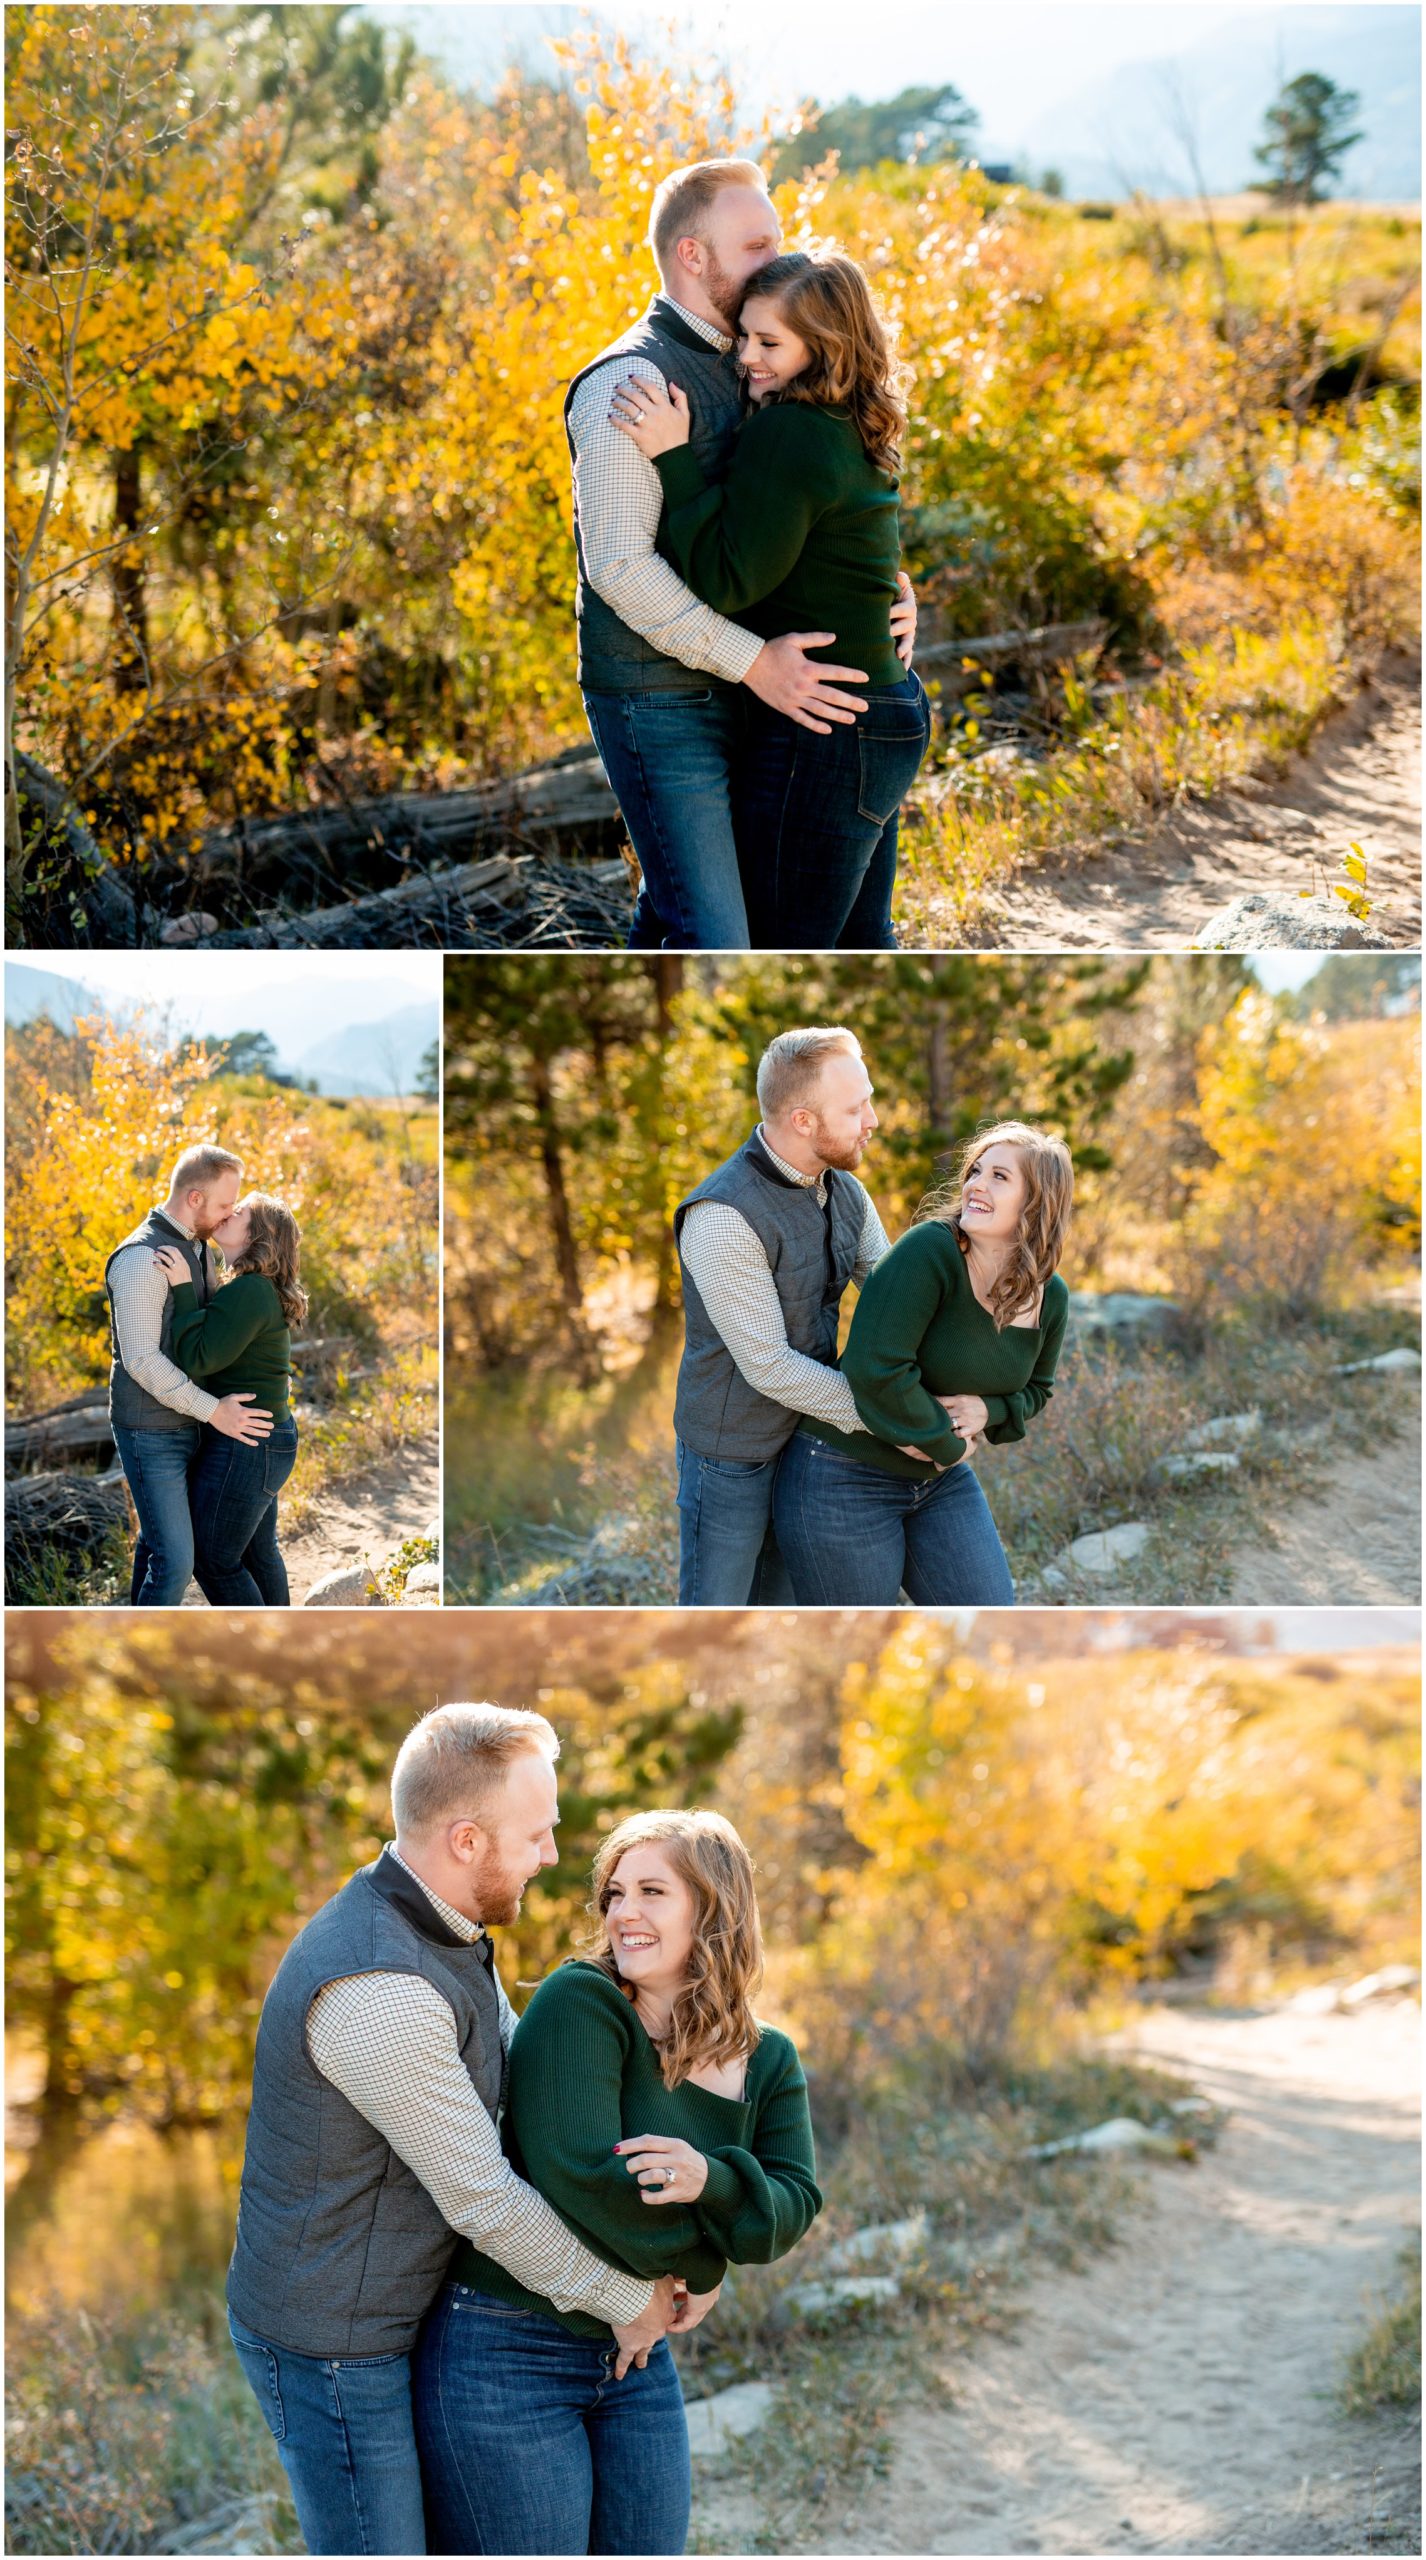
454,1762
791,1066
681,200
198,1168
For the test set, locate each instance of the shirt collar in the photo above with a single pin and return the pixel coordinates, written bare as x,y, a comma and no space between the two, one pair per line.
805,1181
694,320
463,1926
174,1220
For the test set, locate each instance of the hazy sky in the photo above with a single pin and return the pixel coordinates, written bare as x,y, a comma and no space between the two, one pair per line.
191,986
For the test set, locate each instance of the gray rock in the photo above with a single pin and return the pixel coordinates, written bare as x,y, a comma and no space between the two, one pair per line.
839,2293
738,2411
1274,921
1227,1426
1401,1359
244,2525
1121,2133
1121,1311
881,2240
423,1577
433,1531
352,1586
1199,1462
1102,1550
1053,1579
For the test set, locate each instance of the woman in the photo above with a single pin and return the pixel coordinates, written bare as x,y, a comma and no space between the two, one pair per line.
669,2128
241,1343
803,535
955,1340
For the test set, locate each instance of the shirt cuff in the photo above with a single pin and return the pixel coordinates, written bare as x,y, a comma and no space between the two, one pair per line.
681,473
722,2189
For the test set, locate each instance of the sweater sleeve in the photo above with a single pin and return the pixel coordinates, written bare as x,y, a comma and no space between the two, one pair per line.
897,1306
212,1337
736,541
760,2200
566,2085
1009,1414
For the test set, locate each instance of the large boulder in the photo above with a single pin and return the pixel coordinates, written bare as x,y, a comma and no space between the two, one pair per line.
1276,921
715,2422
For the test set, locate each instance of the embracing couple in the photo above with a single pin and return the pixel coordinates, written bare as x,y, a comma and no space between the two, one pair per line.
199,1385
462,2241
745,626
848,1482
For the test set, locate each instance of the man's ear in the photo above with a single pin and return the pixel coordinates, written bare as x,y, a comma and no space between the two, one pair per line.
465,1840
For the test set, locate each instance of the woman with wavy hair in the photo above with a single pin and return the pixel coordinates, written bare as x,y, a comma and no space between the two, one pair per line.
955,1340
241,1343
668,2125
803,535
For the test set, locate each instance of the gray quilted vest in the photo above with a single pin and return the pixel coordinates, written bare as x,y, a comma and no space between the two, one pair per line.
612,658
340,2249
812,1253
131,1407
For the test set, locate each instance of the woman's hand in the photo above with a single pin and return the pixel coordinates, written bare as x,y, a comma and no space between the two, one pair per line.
690,2309
171,1263
903,618
653,417
670,2172
970,1414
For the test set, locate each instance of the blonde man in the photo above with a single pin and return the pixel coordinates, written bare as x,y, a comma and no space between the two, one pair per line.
157,1414
769,1243
660,670
372,2147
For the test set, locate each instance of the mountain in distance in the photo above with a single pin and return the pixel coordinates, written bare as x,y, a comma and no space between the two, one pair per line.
1117,133
301,1011
32,992
378,1059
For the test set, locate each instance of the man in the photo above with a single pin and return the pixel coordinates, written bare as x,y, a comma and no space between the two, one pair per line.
372,2140
157,1414
768,1245
660,670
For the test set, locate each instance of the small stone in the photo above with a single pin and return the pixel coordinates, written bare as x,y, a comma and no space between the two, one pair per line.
423,1577
880,2240
1199,1462
1121,2133
1317,2001
738,2411
1401,1359
840,2293
1053,1579
189,928
1103,1549
1383,1985
1277,922
352,1586
1227,1426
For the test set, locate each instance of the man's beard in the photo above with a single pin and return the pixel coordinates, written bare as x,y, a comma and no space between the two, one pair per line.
495,1892
843,1154
724,292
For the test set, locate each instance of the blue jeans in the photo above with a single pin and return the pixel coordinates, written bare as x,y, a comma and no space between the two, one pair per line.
343,2429
727,1548
856,1537
529,2444
157,1465
233,1493
816,821
670,760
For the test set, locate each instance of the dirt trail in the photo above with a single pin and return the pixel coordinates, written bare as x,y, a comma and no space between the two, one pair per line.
1356,1546
364,1519
1179,2393
1360,783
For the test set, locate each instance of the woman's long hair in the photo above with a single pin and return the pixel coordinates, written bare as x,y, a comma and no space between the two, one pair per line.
271,1250
712,2017
1044,1220
826,301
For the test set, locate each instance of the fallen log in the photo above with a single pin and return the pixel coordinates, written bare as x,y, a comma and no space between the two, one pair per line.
48,1439
1050,645
58,1520
89,887
503,904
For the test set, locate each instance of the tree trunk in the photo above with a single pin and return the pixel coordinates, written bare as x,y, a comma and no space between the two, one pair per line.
552,1159
131,636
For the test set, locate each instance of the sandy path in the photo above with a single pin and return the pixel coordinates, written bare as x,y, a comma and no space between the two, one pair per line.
1361,783
1178,2395
360,1521
1357,1546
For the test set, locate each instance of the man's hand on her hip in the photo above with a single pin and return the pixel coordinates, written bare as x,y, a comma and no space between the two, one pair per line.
233,1417
783,677
903,618
638,2338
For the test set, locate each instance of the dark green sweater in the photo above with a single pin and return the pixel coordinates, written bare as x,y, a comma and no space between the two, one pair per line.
919,1332
803,535
239,1344
583,2076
